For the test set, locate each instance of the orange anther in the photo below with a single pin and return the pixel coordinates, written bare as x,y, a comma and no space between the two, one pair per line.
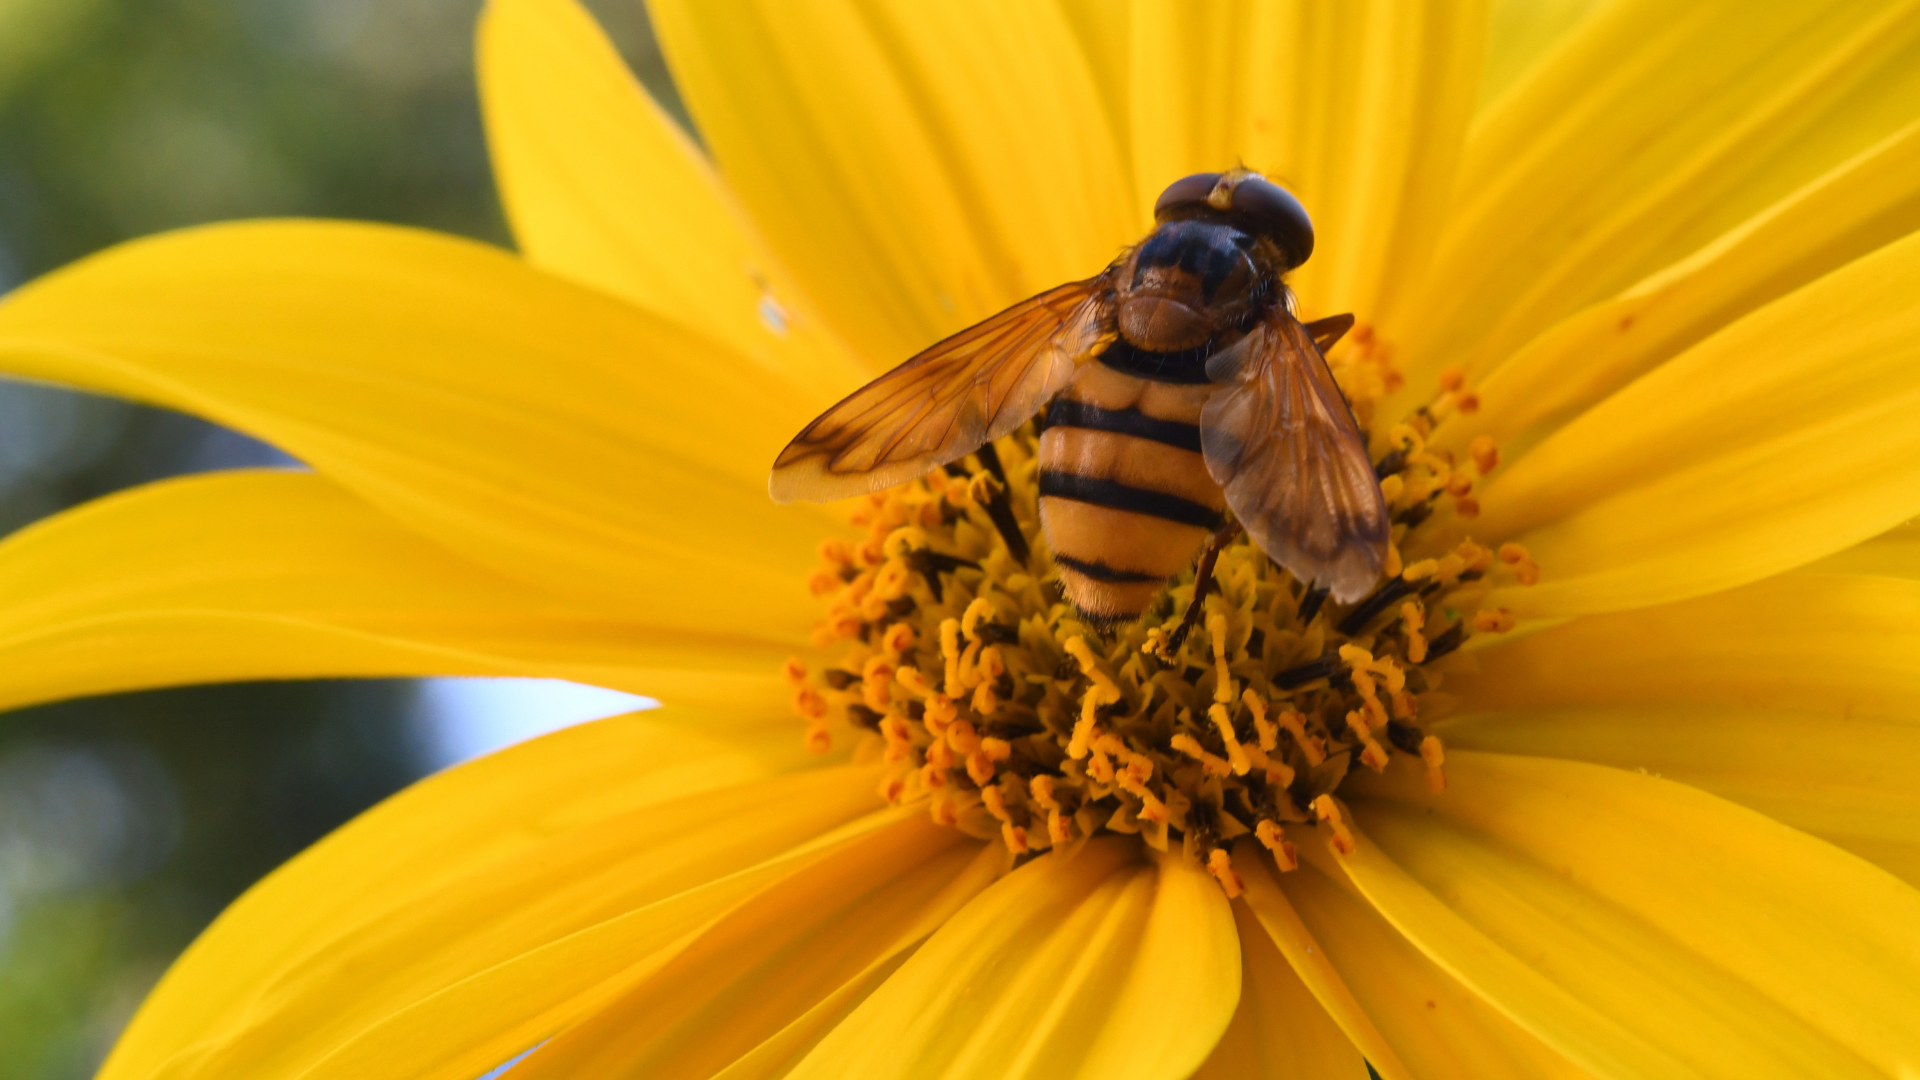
823,582
1485,454
1329,812
898,639
1221,867
1452,378
1269,835
1496,621
809,704
1016,838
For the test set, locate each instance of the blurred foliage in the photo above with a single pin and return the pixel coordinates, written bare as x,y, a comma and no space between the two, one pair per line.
128,822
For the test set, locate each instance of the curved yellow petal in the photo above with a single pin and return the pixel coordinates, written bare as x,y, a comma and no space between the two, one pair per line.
1798,696
545,430
1835,645
603,187
1780,439
1279,1029
1894,553
1359,108
848,918
500,900
1865,202
1585,177
1520,35
1439,1028
1105,32
1280,923
1845,779
916,166
1642,927
1098,965
281,575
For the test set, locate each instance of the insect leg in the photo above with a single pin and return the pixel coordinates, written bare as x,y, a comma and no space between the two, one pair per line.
1202,581
1000,507
1311,602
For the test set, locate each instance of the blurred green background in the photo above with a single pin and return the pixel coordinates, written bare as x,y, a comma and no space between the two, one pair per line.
127,822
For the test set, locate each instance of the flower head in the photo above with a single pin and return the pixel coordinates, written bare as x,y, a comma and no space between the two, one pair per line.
1609,777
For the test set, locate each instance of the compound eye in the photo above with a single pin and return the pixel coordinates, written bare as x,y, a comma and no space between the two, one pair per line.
1262,206
1185,193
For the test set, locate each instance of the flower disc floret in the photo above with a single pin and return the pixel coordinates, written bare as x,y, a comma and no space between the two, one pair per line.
962,670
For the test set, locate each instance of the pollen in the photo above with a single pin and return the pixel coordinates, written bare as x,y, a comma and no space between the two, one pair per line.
957,668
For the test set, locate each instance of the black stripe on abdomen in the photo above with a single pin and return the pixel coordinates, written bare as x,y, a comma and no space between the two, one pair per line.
1100,571
1187,368
1065,412
1115,495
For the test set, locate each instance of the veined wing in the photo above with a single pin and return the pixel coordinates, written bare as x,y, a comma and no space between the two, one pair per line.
948,401
1281,440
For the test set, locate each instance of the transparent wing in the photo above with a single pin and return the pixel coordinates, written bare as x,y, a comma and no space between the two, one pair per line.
1281,440
943,404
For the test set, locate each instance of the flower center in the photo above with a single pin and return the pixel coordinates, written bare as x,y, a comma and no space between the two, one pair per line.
963,669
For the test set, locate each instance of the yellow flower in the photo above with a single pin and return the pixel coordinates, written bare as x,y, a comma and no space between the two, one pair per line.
1673,263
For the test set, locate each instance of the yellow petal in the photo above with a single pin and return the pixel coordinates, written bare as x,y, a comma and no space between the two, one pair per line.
1865,202
543,429
1105,33
1309,960
1644,928
1438,1027
1101,965
1520,34
1358,108
487,908
280,575
1798,696
1586,176
1845,779
1830,644
1279,1029
917,167
1782,438
1894,553
848,918
602,187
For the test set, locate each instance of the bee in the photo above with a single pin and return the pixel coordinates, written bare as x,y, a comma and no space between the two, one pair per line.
1180,400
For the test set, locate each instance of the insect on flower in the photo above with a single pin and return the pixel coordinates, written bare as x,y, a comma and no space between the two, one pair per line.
1176,385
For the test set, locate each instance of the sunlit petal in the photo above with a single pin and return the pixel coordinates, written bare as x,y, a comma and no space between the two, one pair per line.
1439,1028
1279,1028
916,166
848,919
1774,96
486,908
1867,201
280,575
1644,928
546,430
1102,965
1780,439
602,187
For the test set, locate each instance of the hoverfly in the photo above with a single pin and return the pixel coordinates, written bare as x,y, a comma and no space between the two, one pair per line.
1176,385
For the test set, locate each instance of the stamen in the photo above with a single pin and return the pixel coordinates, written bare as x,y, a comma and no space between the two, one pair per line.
1221,867
1270,837
976,689
1329,812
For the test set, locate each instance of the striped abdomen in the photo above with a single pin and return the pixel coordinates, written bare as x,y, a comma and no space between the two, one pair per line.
1125,499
